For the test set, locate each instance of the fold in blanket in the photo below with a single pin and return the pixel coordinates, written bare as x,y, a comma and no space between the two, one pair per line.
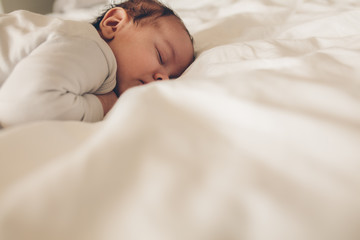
258,139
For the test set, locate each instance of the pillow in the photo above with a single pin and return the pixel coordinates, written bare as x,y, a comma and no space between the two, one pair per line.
66,5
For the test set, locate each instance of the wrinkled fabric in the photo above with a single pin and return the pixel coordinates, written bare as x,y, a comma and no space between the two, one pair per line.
259,139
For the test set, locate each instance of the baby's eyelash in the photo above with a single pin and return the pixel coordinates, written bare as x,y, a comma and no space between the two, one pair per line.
159,55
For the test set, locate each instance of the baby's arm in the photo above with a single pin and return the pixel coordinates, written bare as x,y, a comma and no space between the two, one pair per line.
107,100
57,81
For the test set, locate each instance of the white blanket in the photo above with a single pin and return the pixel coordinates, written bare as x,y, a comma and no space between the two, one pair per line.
259,139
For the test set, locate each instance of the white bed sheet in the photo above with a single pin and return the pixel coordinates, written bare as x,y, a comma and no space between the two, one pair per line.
259,139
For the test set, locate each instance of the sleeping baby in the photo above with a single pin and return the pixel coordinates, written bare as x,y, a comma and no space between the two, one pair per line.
53,69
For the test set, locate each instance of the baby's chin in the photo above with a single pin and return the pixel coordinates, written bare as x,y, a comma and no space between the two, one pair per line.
119,89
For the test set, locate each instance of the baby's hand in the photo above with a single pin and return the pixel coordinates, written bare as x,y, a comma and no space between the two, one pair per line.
107,100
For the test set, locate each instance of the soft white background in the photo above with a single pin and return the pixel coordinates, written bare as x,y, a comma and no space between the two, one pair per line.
259,139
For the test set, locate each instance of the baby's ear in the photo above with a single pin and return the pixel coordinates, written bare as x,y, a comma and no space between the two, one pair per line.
112,22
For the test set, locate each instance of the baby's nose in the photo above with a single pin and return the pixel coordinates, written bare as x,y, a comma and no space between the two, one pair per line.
160,76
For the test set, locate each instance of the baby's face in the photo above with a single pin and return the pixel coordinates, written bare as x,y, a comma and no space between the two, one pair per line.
149,52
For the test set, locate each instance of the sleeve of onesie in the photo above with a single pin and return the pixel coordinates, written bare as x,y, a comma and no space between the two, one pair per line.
57,81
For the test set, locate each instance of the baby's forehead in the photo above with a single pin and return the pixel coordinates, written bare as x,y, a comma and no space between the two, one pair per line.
166,23
168,26
162,22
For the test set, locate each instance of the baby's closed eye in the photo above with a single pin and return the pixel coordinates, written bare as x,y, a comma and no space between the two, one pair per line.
161,61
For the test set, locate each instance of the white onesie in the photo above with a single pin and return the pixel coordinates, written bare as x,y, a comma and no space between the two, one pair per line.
50,69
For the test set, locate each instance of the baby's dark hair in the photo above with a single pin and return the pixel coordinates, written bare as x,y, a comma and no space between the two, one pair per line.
141,10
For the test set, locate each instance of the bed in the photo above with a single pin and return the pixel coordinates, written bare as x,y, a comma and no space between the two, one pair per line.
258,139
